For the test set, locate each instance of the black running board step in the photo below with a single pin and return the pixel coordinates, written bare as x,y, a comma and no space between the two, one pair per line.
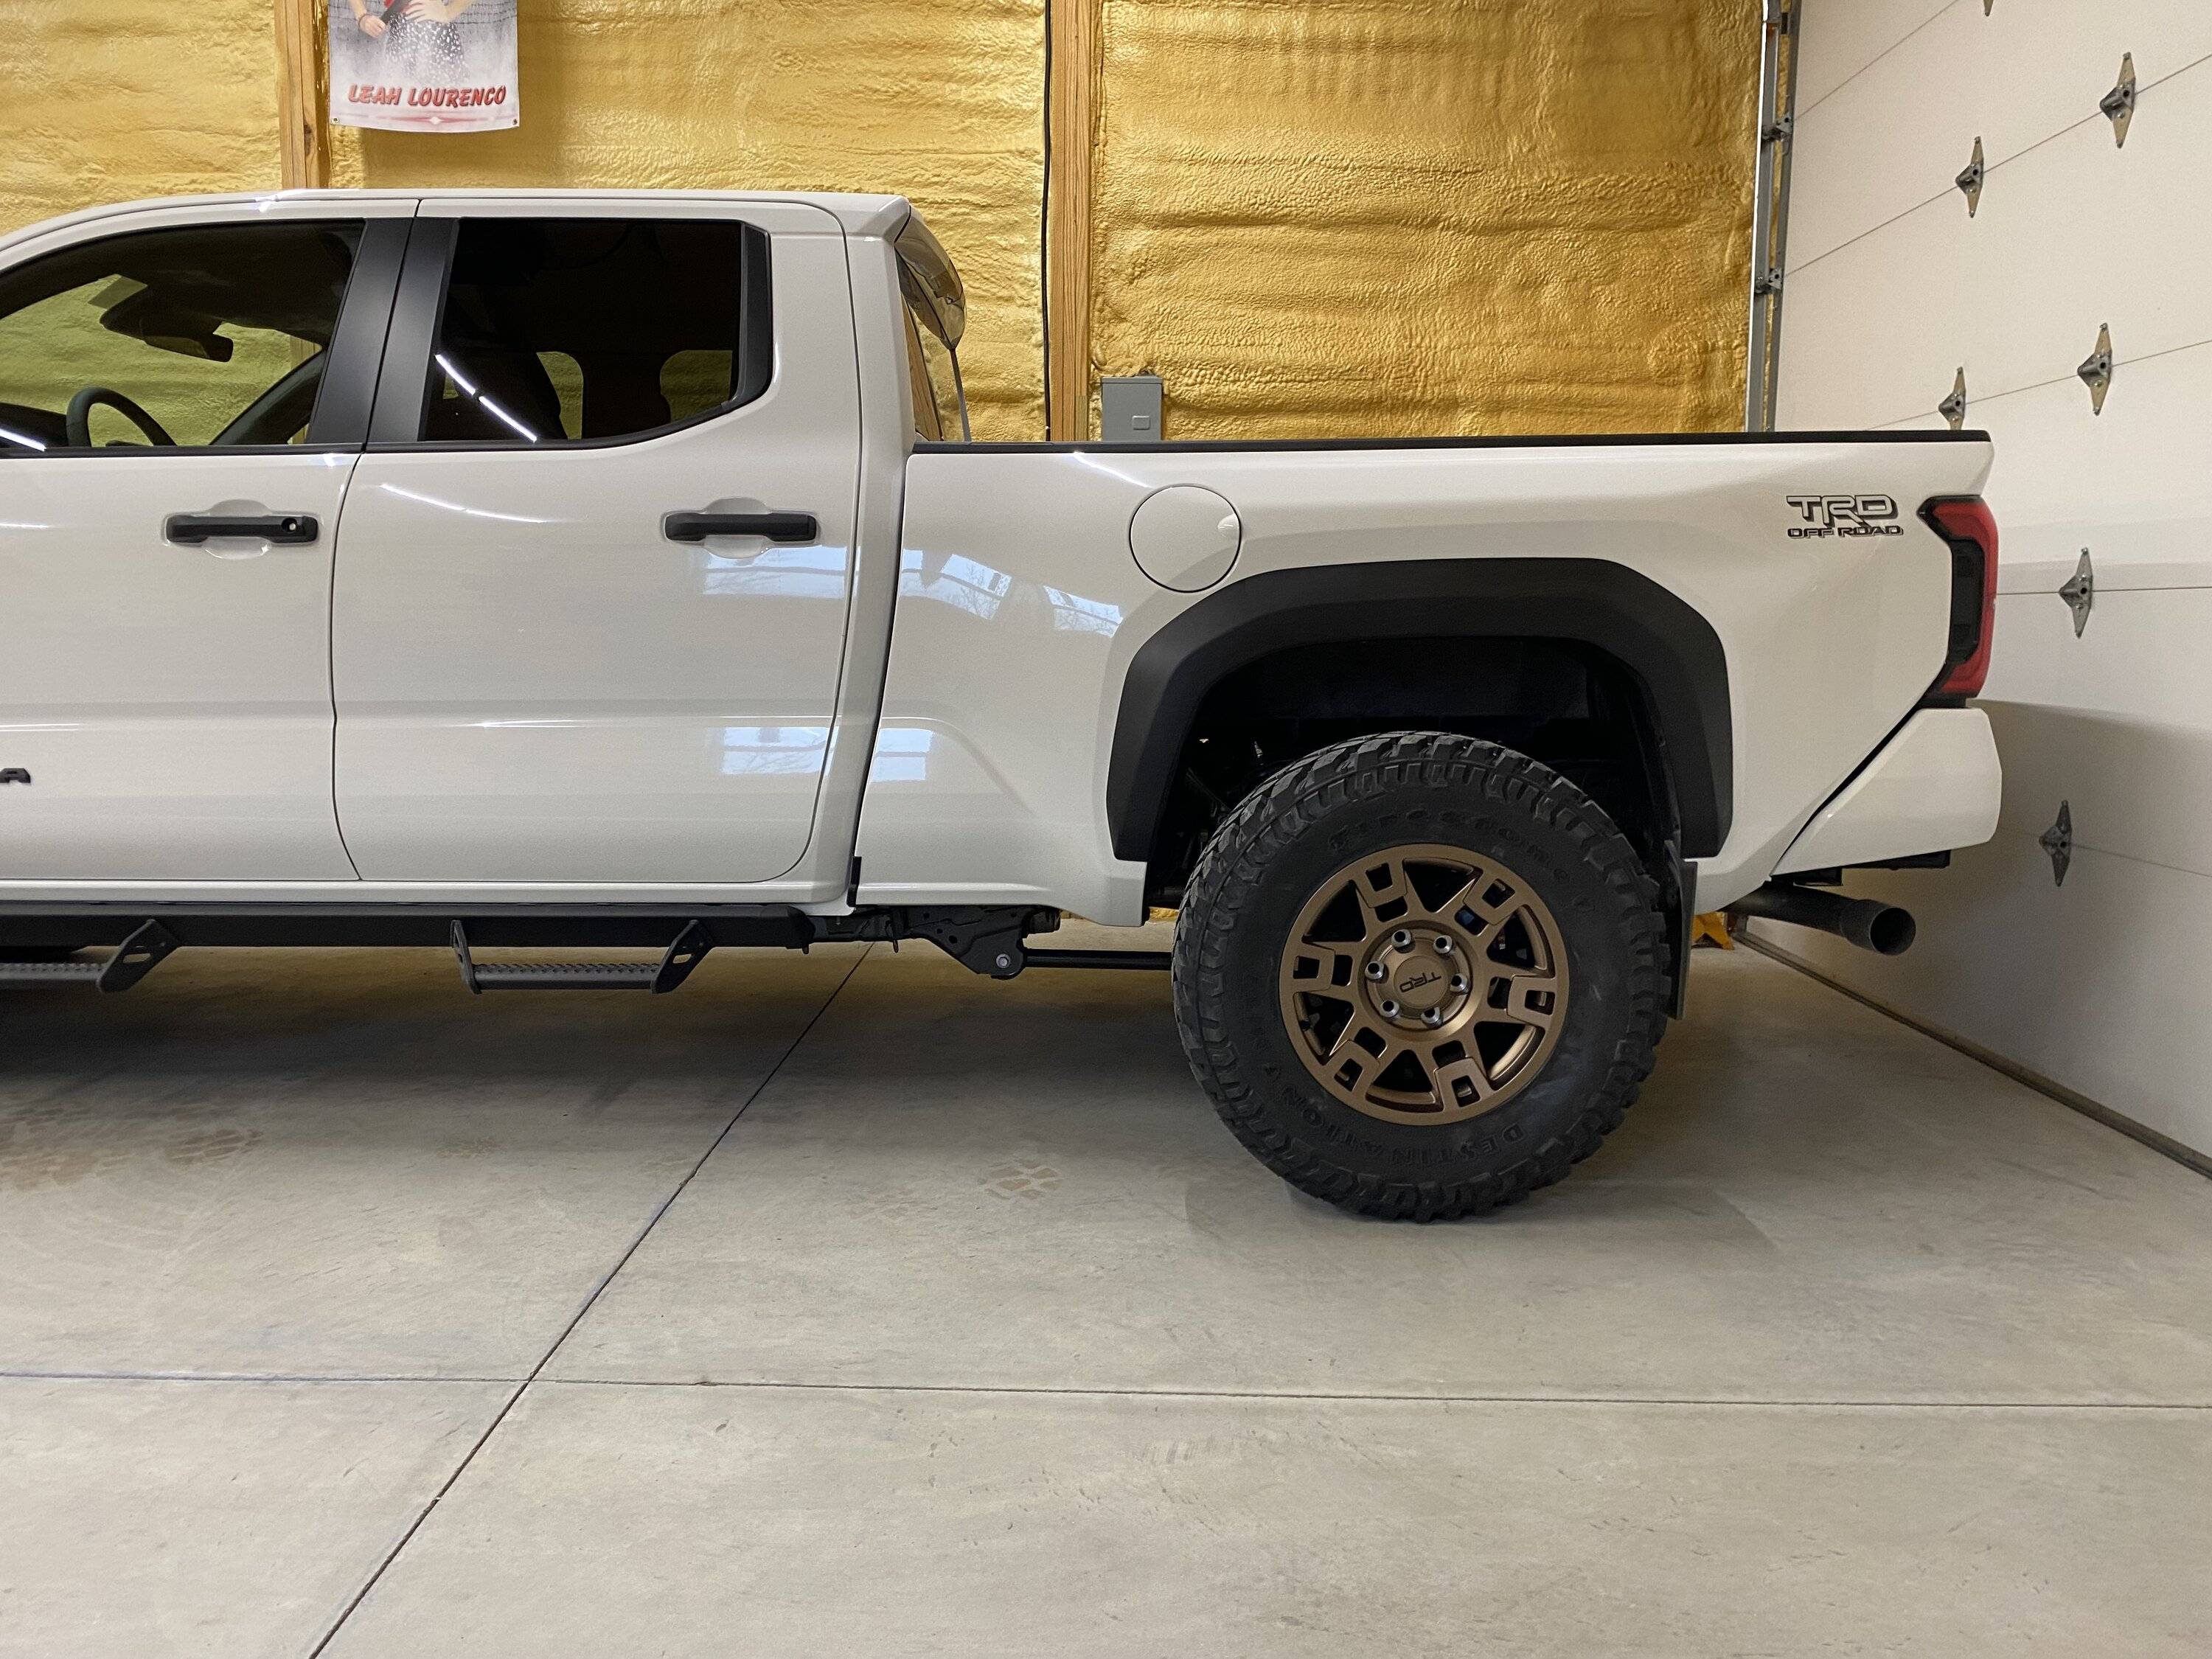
688,950
26,974
135,958
563,976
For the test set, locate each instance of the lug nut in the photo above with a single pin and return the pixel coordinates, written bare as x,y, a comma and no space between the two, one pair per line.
1389,1010
1374,970
1443,946
1401,938
1433,1017
1459,982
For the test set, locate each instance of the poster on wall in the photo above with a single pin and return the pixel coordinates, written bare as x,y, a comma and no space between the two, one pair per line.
423,65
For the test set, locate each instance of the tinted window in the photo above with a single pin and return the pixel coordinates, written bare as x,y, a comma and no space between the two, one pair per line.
214,335
933,373
570,329
927,422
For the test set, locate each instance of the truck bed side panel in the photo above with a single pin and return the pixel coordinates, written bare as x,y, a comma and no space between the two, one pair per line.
1021,607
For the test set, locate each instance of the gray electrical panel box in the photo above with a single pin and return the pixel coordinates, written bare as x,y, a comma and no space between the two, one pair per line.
1129,409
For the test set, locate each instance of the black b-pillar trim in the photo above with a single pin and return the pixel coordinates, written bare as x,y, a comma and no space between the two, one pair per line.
403,386
1671,650
756,317
348,392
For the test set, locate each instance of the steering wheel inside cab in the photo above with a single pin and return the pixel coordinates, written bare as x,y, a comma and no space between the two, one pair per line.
79,417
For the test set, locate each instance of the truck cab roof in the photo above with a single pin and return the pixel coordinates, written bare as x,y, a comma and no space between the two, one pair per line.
859,215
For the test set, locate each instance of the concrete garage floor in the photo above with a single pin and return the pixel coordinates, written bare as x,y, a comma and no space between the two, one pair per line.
336,1307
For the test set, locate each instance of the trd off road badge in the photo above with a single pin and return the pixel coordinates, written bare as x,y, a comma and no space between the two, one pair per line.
1844,516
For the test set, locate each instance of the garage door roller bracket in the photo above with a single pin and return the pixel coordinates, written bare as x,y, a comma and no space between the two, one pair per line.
2119,103
2079,592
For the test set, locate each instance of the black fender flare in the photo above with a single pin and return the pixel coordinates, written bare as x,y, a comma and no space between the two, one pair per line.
1673,653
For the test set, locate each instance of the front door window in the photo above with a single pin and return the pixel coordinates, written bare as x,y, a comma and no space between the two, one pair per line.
200,338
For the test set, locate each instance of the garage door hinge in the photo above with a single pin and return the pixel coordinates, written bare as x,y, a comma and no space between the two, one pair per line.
2058,842
1779,132
2119,103
1969,181
1770,282
1953,408
2096,370
2079,592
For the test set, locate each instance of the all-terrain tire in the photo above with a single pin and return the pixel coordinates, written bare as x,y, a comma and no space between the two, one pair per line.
1260,873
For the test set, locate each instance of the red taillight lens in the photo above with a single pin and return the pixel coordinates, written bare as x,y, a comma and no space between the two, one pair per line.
1970,530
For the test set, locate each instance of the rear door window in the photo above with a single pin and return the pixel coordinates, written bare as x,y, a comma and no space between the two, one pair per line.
559,330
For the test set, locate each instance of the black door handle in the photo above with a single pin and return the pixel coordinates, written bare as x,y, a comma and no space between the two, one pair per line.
775,526
284,529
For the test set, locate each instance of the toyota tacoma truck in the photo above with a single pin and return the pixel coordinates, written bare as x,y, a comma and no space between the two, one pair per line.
611,571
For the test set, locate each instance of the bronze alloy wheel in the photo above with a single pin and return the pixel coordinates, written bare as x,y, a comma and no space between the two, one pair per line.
1424,984
1410,1051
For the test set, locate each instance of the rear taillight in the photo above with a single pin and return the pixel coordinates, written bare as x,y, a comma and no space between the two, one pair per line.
1969,531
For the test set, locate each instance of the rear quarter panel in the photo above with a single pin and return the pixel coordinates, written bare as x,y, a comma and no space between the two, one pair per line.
1020,605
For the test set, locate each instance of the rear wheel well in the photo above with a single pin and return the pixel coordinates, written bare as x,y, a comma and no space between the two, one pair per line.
1577,709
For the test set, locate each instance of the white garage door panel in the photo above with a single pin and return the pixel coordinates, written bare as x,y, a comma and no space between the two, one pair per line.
2043,64
2039,66
2078,229
2031,70
1841,41
1874,150
2134,484
1863,321
2103,985
1868,317
2092,999
1863,330
2135,789
2145,657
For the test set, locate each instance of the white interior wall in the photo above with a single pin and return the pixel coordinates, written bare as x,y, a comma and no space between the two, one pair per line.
2103,984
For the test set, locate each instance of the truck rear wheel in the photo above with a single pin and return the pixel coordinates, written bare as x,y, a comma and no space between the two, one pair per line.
1420,976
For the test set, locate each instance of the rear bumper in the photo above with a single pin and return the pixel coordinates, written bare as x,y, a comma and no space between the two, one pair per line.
1936,785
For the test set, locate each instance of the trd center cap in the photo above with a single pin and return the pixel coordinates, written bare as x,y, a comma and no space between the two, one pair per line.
1421,980
1418,981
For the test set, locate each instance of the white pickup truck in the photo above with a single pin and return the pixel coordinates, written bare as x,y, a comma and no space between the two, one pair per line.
608,570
